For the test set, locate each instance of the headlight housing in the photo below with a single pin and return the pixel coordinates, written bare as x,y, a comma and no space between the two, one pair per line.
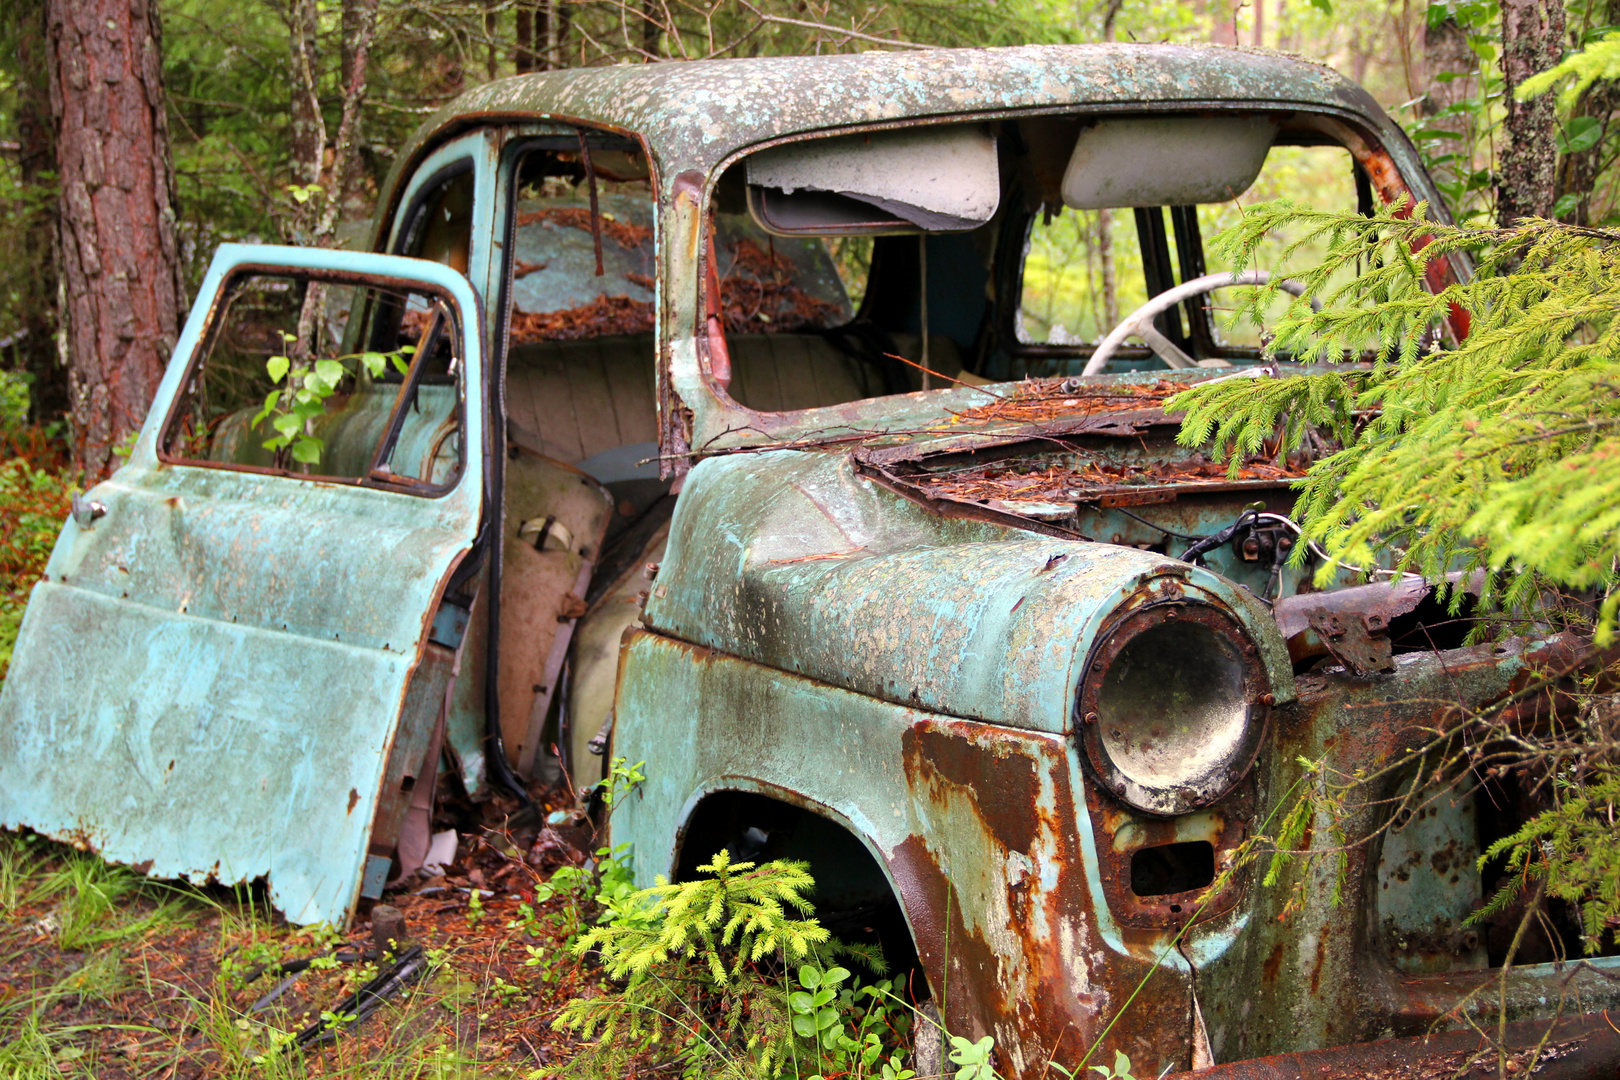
1174,706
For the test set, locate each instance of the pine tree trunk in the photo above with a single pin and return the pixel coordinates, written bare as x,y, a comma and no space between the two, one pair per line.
120,265
34,276
1532,41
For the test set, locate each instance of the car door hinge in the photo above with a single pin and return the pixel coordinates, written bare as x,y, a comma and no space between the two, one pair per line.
449,625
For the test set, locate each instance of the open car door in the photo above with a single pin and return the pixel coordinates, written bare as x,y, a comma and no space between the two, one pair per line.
237,663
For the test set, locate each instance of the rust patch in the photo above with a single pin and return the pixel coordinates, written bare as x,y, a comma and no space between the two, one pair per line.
1004,784
354,800
1040,973
1080,480
602,316
1273,965
1573,1048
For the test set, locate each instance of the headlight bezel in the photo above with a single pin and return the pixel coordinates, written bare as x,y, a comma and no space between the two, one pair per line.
1235,698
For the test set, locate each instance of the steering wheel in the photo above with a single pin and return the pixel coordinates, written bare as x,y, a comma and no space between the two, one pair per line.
1139,323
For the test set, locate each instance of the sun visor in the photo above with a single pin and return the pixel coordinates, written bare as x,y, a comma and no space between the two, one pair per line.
934,179
1166,160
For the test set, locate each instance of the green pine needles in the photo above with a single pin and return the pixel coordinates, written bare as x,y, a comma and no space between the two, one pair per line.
702,969
1498,452
1495,453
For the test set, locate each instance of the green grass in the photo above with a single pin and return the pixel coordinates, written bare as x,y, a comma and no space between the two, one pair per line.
107,974
96,903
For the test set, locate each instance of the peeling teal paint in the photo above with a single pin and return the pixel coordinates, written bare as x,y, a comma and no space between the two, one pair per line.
794,560
208,681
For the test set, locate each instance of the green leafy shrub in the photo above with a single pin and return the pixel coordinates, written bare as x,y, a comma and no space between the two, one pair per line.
1499,452
35,496
705,973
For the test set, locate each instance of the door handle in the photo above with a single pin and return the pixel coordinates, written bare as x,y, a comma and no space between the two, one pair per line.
87,511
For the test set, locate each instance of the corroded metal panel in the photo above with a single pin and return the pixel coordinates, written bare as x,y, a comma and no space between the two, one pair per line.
695,114
976,825
796,560
1326,973
208,681
192,748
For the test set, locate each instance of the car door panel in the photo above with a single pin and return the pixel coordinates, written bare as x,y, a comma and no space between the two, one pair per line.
209,682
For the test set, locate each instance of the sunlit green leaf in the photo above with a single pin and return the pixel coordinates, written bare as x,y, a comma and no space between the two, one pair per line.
307,450
1581,133
330,371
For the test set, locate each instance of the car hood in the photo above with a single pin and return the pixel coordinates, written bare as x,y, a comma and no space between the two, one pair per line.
798,560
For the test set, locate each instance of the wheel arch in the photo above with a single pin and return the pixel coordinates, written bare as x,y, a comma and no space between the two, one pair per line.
855,877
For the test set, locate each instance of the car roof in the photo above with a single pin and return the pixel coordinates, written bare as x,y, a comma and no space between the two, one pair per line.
694,114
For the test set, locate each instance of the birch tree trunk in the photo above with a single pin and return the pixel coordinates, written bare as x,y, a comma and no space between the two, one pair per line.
1532,41
119,260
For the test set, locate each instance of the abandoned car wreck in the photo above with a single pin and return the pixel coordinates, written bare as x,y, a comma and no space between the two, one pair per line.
745,419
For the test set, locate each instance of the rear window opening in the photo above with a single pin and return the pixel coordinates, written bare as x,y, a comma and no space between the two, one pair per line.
1172,868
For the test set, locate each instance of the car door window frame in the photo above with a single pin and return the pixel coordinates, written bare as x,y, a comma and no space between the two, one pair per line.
340,268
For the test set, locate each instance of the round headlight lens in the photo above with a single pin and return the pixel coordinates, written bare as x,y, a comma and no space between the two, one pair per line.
1172,708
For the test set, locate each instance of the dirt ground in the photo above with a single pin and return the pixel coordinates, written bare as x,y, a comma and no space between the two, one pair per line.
107,974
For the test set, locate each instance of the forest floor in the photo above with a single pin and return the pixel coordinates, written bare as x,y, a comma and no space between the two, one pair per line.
108,974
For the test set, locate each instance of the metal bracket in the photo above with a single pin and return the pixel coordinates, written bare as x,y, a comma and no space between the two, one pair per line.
87,511
449,625
1359,641
375,876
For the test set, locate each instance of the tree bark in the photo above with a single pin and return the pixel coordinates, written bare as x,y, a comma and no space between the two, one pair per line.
1532,41
34,276
651,28
359,28
558,19
1446,52
306,147
348,174
1578,172
120,264
523,42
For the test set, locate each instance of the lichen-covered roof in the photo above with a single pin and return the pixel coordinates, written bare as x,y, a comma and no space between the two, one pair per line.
695,113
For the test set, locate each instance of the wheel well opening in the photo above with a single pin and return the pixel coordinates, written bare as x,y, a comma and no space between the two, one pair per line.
852,897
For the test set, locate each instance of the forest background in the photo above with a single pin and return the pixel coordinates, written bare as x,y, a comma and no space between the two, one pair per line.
277,120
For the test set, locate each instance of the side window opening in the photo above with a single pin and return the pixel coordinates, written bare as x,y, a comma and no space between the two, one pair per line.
583,507
282,383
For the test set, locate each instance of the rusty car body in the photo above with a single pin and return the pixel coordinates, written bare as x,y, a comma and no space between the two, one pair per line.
751,457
